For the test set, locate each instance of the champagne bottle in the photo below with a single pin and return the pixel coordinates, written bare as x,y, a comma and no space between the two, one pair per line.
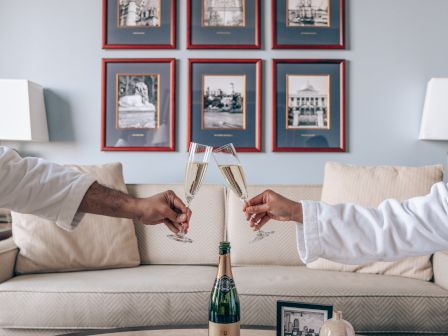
224,308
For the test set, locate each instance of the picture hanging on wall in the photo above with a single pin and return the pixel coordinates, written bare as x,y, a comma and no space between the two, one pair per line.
225,103
223,24
308,105
308,24
138,105
139,24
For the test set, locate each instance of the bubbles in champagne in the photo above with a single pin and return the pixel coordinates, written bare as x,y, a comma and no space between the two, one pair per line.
234,176
194,174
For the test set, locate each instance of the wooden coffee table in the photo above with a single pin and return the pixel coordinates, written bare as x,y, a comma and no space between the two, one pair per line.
148,331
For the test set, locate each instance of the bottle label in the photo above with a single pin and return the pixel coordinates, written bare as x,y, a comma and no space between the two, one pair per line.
224,329
224,284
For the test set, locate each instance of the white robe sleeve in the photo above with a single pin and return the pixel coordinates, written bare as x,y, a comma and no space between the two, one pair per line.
35,186
351,234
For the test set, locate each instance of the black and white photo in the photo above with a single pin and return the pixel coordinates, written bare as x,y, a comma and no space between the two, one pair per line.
223,13
137,101
308,102
308,13
301,319
224,101
139,13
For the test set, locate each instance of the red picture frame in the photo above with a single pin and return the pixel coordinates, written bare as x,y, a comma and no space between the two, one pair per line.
258,85
343,144
339,45
256,45
171,45
172,113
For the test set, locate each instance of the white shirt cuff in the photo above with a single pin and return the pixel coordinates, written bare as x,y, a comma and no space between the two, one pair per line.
308,242
69,218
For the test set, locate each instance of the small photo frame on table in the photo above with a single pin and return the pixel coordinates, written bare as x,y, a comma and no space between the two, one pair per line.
308,105
139,24
296,318
223,24
308,24
138,108
224,102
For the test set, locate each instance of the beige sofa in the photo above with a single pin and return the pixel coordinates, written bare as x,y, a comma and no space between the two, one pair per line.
173,284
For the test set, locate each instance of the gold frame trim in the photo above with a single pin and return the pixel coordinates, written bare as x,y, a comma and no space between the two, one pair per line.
138,27
158,101
228,27
329,104
328,26
244,105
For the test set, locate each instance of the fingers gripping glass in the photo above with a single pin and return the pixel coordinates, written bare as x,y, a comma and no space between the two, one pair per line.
198,158
232,170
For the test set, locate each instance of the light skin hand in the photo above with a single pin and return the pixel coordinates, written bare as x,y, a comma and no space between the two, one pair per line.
164,208
270,205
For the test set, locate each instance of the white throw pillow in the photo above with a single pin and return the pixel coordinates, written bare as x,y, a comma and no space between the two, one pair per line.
98,242
369,186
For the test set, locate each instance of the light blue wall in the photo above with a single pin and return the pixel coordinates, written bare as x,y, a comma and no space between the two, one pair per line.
394,47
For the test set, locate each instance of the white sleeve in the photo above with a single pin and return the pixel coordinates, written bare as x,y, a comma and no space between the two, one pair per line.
352,234
34,186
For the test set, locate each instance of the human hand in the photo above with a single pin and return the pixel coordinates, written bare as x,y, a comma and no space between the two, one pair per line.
164,208
270,205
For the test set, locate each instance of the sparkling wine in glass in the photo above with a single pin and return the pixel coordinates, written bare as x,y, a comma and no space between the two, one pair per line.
198,158
229,164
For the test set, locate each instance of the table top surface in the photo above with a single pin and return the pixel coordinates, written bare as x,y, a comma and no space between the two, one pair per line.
170,332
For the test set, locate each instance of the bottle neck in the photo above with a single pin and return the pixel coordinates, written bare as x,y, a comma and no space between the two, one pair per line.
225,266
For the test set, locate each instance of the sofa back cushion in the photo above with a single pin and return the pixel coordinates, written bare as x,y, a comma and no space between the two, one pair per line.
277,249
369,186
206,228
98,242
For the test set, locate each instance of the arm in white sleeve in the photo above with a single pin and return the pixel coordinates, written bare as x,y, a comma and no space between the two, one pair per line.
352,234
35,186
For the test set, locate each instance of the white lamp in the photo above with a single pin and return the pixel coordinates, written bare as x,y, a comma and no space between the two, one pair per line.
22,111
435,112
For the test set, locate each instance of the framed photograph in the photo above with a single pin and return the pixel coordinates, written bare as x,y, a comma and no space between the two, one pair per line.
308,105
223,24
225,103
295,318
139,24
308,24
138,105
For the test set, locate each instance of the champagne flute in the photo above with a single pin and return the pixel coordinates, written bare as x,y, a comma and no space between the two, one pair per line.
198,158
229,164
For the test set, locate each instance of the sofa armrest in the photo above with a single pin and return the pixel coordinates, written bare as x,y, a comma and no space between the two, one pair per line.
8,254
440,265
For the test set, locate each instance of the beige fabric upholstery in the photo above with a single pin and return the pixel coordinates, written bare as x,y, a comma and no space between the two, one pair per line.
440,264
278,249
369,186
8,253
178,295
98,242
206,229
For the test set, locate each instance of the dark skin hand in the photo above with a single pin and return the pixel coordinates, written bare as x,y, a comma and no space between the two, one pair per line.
270,205
164,208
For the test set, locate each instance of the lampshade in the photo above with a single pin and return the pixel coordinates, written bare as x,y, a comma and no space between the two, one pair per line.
22,111
435,113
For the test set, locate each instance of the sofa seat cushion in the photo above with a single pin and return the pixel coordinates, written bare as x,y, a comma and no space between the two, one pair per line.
372,303
145,295
178,295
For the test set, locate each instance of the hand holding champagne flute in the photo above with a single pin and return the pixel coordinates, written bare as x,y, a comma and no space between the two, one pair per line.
198,158
228,163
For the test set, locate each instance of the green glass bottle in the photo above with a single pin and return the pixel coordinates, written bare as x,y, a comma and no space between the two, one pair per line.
224,308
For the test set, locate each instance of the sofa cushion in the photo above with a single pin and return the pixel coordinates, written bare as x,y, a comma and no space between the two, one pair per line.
145,295
277,249
206,228
372,303
178,295
369,186
98,242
